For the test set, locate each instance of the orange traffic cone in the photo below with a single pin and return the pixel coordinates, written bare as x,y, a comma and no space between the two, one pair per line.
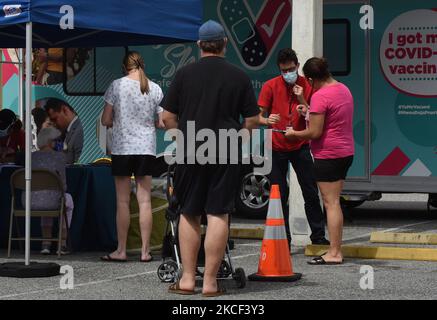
275,261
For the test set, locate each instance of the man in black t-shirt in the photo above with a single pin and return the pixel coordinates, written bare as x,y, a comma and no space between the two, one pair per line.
210,94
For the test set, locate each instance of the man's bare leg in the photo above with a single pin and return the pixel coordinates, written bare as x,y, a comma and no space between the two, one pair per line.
215,245
189,244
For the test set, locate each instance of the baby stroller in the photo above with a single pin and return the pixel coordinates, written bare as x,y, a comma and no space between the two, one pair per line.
170,269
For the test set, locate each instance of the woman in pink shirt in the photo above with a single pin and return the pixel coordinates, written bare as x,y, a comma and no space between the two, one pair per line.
332,144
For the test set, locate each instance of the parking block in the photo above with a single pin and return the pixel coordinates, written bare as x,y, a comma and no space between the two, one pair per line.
378,253
404,238
247,233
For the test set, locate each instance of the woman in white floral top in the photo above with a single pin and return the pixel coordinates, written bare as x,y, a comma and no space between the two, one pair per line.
133,111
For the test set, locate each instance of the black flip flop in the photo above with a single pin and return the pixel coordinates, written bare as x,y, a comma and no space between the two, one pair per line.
319,261
108,258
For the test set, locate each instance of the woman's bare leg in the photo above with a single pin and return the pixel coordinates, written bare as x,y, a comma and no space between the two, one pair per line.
331,198
123,188
146,218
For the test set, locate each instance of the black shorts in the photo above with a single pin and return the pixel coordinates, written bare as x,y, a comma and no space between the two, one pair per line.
332,170
209,189
137,165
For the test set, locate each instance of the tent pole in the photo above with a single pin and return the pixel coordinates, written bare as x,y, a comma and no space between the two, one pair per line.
28,136
28,270
20,84
1,79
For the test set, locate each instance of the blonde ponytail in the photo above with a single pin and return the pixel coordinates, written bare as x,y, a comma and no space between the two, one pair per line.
144,82
133,60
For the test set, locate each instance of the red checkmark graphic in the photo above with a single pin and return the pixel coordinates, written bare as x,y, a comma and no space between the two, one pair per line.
273,20
255,37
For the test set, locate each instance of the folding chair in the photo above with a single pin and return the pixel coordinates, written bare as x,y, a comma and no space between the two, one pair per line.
42,180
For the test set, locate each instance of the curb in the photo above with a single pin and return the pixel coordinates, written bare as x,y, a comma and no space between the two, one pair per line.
153,250
247,233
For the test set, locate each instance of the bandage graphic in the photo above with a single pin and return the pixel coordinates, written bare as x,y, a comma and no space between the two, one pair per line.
255,38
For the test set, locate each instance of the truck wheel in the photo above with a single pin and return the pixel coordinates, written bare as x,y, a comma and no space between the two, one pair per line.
253,197
351,204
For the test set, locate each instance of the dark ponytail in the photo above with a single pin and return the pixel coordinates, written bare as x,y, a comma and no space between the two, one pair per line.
317,69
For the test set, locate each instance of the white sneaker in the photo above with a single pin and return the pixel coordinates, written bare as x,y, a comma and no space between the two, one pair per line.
64,251
45,251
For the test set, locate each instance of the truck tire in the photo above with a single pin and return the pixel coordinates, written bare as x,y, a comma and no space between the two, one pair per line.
252,200
351,204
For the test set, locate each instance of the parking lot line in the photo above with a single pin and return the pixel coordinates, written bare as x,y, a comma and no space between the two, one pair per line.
388,230
91,283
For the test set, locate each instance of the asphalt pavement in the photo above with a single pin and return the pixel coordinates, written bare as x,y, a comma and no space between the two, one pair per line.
94,279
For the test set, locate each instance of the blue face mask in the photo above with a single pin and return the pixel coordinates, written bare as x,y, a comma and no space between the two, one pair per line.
290,77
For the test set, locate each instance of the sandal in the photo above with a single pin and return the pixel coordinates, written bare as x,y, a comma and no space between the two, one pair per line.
175,288
220,292
147,260
64,251
108,258
319,261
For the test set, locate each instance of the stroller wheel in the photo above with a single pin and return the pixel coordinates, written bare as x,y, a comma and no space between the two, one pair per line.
168,272
240,278
199,273
224,271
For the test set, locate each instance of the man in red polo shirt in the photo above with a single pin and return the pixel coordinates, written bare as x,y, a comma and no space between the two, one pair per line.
280,98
